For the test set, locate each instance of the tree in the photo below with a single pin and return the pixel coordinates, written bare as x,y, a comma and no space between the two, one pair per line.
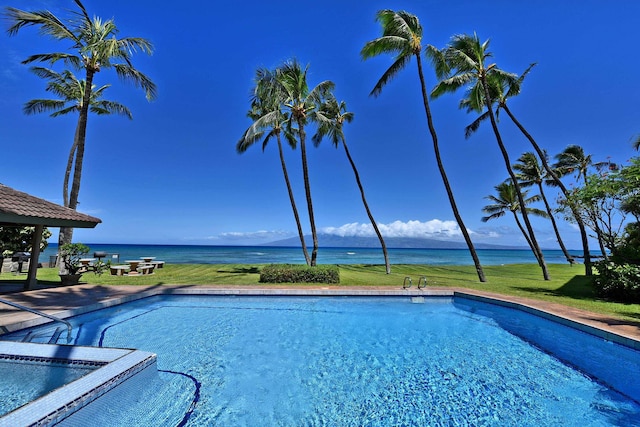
94,47
531,173
71,91
505,89
462,64
269,119
507,200
331,119
402,37
302,104
574,159
20,239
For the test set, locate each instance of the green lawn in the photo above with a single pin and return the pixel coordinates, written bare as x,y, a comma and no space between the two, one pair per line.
568,285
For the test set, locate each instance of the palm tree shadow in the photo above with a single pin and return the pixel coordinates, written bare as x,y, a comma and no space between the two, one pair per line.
243,270
578,287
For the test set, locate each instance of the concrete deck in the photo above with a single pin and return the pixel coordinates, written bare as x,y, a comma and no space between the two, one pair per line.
72,300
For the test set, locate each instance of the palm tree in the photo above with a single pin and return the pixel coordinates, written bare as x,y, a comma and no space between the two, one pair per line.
507,89
501,90
95,47
574,159
71,91
302,105
402,37
530,173
268,117
462,63
507,200
331,119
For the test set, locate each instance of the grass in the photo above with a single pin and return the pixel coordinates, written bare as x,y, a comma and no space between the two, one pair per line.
567,286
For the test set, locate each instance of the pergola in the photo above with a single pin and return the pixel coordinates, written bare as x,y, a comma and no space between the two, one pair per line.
18,209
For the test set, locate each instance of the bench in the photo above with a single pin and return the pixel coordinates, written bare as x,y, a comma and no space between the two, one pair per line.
119,270
146,269
157,264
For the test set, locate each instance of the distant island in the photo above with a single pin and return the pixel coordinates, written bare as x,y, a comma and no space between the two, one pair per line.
333,241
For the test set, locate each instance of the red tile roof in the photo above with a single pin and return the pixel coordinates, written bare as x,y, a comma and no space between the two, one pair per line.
21,208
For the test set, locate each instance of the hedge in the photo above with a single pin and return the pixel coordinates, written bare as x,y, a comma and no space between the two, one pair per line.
297,273
619,282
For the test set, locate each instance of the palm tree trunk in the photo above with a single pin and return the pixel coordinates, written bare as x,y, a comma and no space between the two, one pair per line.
307,189
293,202
79,142
445,180
366,207
505,155
583,231
555,226
524,233
67,172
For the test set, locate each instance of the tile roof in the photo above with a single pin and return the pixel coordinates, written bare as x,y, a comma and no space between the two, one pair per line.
21,208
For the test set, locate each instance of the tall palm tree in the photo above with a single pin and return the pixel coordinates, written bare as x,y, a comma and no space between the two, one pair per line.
302,105
71,92
331,119
574,159
507,200
269,119
508,89
462,64
402,37
501,90
531,173
95,47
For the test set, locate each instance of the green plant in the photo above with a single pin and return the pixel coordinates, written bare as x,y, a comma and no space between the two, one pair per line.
290,273
70,254
619,282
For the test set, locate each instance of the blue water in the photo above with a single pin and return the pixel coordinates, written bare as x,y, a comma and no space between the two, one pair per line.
192,254
346,361
17,387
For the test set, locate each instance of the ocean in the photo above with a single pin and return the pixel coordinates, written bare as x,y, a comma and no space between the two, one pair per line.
200,254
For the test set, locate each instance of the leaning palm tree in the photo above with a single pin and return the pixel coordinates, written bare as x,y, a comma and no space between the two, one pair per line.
71,93
94,47
501,90
402,37
462,63
507,200
302,105
331,119
266,112
531,173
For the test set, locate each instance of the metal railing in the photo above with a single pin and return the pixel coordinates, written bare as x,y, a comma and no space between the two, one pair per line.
40,313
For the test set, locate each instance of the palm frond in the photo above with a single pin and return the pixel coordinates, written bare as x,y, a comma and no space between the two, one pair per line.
139,79
391,72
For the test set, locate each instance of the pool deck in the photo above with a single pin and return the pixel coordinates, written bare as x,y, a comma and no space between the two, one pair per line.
71,300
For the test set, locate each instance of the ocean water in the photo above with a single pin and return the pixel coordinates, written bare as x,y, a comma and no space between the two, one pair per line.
200,254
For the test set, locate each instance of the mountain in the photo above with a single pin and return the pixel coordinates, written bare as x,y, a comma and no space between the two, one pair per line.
333,241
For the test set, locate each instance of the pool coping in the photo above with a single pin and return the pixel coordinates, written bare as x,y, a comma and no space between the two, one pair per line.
72,301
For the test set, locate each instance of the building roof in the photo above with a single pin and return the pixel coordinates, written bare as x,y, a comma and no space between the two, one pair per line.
18,208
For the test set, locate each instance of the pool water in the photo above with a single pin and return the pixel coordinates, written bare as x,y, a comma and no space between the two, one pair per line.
18,387
351,361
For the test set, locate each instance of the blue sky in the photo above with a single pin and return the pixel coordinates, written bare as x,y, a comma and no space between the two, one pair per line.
172,175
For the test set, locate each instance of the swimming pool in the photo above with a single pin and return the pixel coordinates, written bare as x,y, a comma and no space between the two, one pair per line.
346,361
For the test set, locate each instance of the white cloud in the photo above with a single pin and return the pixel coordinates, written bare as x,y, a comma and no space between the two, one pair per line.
433,229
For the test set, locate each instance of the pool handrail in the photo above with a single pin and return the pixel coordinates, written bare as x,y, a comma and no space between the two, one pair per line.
40,313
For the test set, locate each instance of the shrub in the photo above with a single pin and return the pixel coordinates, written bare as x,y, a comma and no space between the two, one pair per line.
620,282
295,273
